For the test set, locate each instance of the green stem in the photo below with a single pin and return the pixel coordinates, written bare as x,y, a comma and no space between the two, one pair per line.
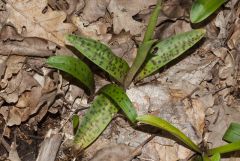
205,157
152,22
141,56
144,47
225,148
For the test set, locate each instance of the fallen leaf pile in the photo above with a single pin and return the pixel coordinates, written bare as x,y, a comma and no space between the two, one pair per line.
198,93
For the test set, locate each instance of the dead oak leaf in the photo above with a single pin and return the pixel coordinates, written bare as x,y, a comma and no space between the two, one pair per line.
123,12
29,14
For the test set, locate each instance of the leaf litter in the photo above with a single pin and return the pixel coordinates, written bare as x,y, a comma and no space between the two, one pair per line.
199,93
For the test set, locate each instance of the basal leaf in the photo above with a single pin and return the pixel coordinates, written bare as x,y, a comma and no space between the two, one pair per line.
94,121
100,55
74,67
160,123
118,95
216,157
201,9
233,133
231,147
169,49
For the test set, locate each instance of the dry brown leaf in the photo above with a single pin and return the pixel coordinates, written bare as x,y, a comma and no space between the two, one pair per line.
96,30
94,9
13,154
17,85
48,97
4,110
113,153
29,14
14,64
14,116
176,8
123,12
28,102
15,44
123,46
3,66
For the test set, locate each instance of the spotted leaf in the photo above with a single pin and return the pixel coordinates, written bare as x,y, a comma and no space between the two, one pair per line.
120,98
101,55
74,67
169,49
94,121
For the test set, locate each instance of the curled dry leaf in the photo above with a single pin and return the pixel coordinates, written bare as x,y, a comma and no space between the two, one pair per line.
15,44
29,15
17,85
14,64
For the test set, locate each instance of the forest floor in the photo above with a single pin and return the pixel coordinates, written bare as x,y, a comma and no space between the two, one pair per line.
199,92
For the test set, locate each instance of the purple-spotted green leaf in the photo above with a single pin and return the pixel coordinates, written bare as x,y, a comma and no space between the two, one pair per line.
160,123
100,55
94,121
201,9
119,97
74,67
169,49
233,133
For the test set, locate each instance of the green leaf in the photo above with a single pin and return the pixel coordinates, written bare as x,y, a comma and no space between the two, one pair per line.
75,121
160,123
233,133
94,121
74,67
152,22
119,97
145,46
169,49
101,55
225,148
201,9
139,60
205,158
216,157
